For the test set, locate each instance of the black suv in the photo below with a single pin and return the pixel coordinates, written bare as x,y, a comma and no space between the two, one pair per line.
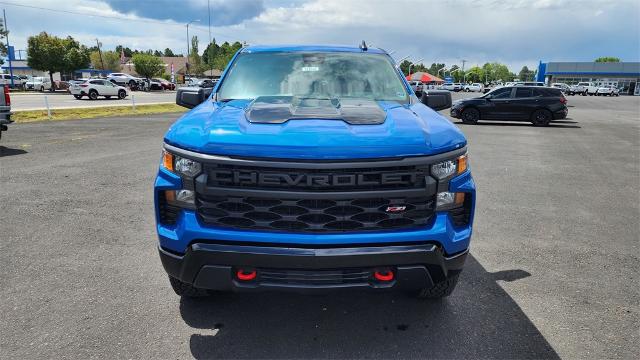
537,104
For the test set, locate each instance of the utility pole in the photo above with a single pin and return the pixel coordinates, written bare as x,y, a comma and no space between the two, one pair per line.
4,14
100,52
464,76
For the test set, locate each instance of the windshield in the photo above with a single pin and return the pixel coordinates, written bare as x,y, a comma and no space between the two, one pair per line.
313,75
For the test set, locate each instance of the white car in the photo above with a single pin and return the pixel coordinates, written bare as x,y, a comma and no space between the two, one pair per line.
97,87
123,79
563,87
191,81
585,88
605,90
452,86
475,87
40,83
5,79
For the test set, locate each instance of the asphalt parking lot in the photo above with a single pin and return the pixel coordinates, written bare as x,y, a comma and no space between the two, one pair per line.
60,100
553,272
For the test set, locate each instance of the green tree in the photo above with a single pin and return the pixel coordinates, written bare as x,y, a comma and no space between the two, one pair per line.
119,49
475,74
211,52
3,47
168,52
434,68
194,61
147,65
525,74
110,59
497,72
404,67
608,59
77,56
458,75
53,54
226,54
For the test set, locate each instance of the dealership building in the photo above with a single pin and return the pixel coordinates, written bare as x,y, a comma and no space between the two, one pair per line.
623,75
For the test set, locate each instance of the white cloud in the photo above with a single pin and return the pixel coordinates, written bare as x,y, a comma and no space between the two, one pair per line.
517,32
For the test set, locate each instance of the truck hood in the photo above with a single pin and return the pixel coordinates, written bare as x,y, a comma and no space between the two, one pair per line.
218,128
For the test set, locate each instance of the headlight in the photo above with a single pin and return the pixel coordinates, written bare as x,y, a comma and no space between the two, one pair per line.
180,165
180,198
447,200
187,167
445,169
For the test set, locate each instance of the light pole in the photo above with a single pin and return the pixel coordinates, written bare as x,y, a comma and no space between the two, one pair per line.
188,40
442,69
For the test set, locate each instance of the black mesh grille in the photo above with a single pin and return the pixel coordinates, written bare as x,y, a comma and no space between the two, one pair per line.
316,198
309,215
315,277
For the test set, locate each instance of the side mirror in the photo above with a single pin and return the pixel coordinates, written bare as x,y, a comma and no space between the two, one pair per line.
436,99
191,97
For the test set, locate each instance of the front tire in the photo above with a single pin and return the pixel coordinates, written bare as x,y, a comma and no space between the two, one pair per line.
187,290
470,116
439,290
122,94
541,118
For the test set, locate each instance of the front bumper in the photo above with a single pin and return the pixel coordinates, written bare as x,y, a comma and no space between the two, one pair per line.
455,112
214,266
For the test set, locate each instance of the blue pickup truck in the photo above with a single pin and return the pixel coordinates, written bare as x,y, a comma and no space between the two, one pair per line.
310,168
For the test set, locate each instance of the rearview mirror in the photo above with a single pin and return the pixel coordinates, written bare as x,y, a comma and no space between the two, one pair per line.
436,99
191,97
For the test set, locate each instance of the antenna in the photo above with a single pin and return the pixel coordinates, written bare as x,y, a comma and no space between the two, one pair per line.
363,46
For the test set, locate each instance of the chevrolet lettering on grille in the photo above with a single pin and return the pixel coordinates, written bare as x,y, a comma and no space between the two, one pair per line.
249,178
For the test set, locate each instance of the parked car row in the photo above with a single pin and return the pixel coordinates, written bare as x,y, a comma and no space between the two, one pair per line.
588,88
471,87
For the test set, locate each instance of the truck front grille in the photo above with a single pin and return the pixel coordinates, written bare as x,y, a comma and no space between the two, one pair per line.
316,197
315,215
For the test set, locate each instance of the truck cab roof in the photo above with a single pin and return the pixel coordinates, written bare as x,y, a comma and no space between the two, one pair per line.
309,48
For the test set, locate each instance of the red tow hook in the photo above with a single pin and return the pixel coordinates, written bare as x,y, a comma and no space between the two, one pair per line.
383,275
246,275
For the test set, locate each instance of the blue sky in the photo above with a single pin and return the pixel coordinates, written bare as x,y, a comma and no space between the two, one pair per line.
515,32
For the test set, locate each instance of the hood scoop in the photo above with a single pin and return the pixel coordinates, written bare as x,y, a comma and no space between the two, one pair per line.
280,109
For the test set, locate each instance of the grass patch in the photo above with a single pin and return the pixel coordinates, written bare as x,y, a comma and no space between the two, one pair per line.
96,112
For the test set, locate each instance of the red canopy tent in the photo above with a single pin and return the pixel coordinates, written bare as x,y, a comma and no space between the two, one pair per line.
425,78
